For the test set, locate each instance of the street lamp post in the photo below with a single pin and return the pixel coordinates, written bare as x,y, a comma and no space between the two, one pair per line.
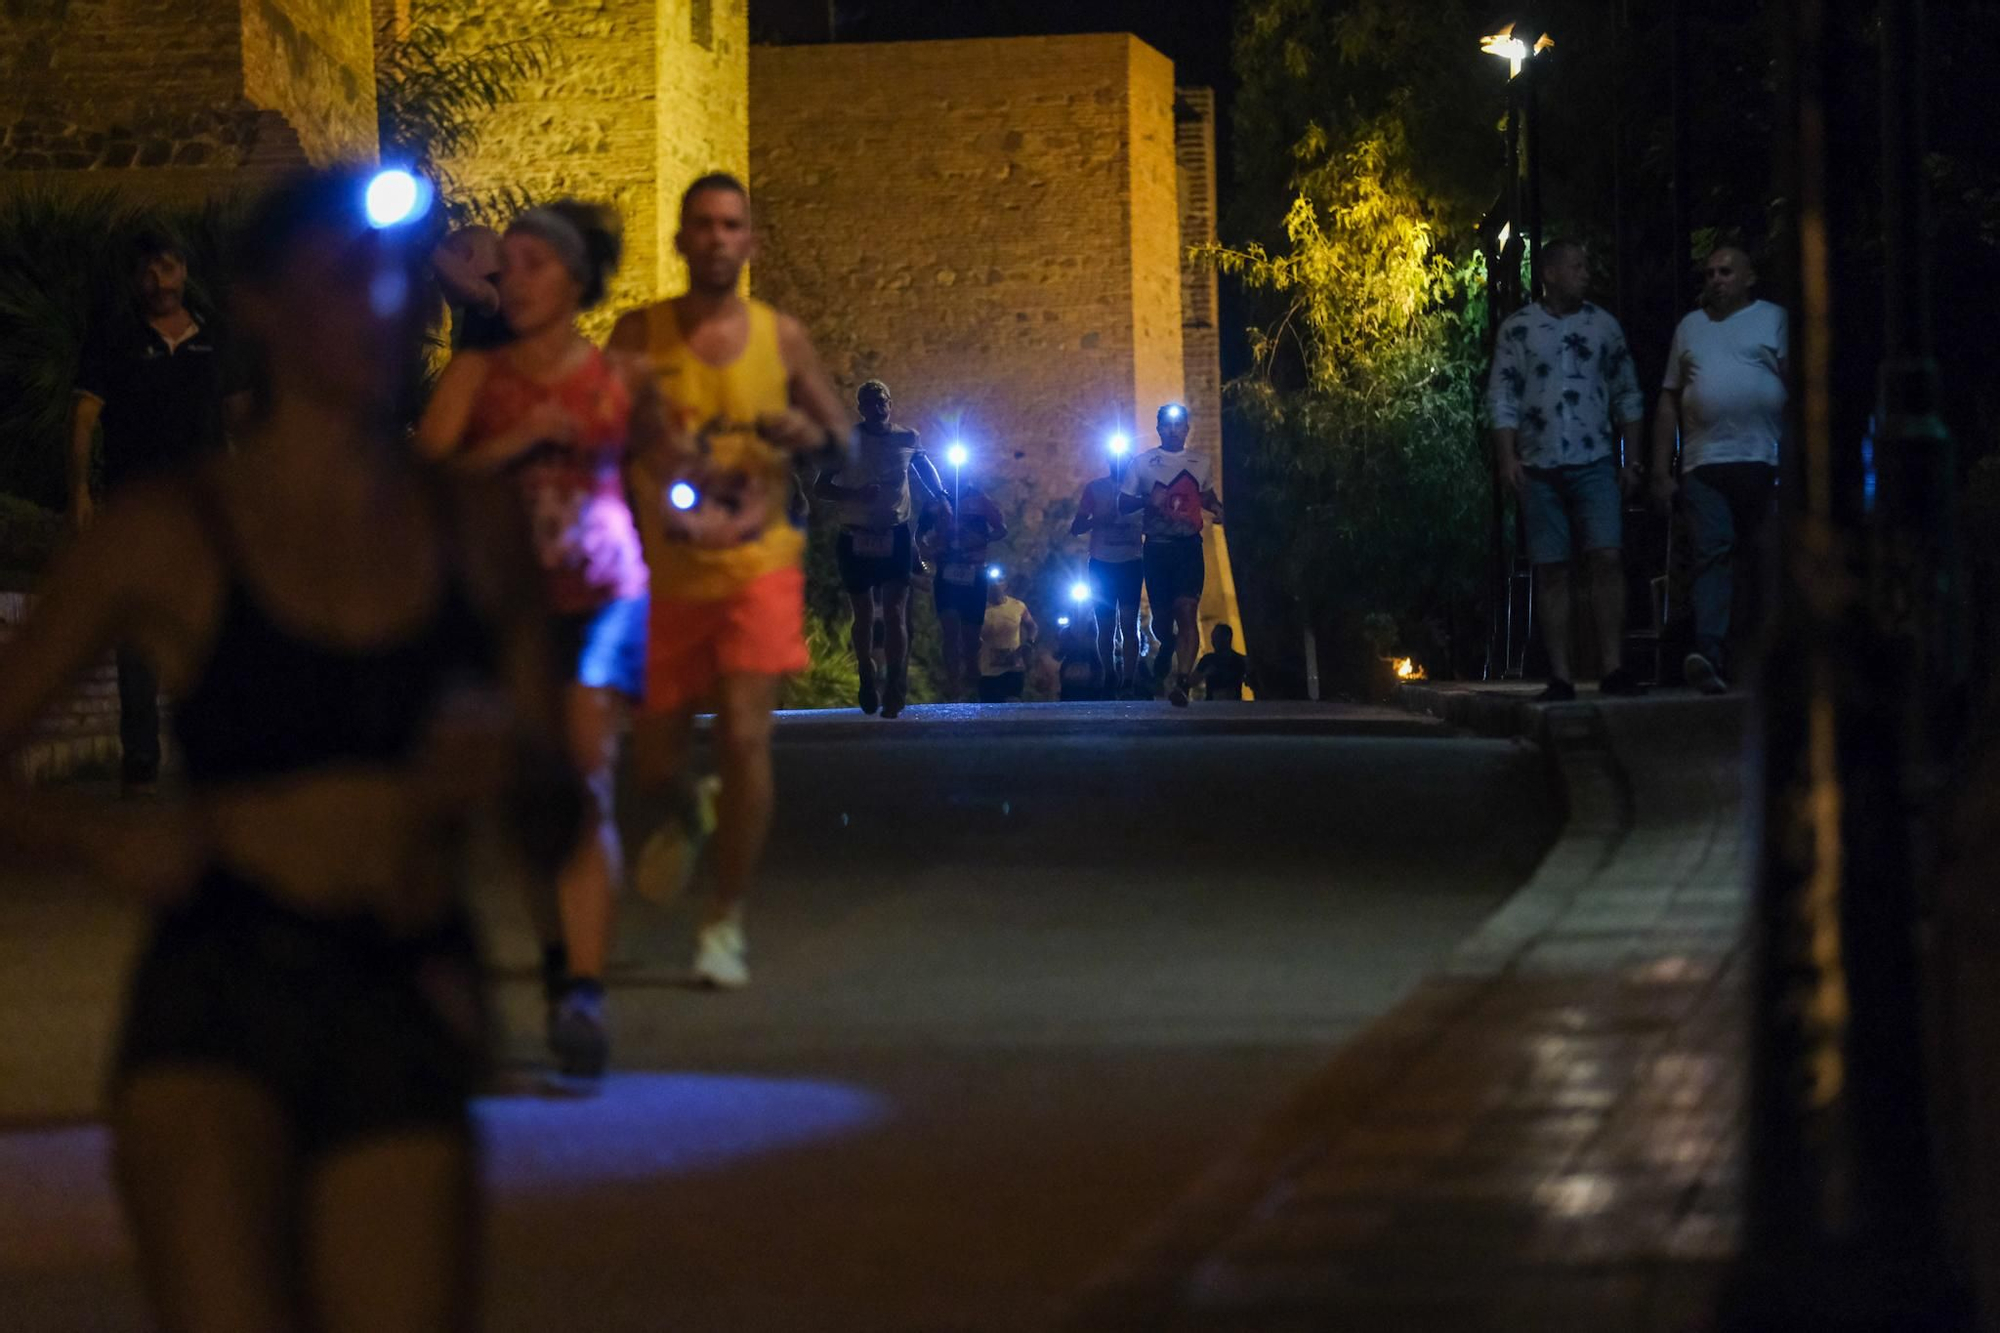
1519,215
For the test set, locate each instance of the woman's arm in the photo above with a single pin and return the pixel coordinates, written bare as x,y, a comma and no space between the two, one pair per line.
448,416
144,576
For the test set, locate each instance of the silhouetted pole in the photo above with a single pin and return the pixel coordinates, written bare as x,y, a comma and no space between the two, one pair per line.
1844,1219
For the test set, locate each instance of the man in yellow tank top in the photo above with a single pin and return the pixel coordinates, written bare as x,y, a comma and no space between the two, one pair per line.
745,398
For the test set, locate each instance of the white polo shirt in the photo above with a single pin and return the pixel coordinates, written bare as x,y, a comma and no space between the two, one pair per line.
1732,385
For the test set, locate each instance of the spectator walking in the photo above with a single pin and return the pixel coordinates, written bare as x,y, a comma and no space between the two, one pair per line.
155,378
1565,404
1723,400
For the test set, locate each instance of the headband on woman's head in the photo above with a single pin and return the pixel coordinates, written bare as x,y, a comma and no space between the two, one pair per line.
563,237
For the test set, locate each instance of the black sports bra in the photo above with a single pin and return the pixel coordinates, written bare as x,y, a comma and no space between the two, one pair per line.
271,701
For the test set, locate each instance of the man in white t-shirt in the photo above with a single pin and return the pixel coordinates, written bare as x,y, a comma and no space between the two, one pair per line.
1173,488
1723,398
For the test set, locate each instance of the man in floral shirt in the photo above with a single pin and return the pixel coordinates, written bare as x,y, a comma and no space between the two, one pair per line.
1563,395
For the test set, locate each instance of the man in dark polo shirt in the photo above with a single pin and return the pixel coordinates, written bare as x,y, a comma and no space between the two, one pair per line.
153,378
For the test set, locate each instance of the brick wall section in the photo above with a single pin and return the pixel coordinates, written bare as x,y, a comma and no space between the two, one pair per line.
1201,339
1201,343
629,111
164,98
703,113
79,735
1155,235
313,61
959,218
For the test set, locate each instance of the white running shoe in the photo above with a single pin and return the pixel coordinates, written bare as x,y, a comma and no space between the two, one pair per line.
666,863
719,955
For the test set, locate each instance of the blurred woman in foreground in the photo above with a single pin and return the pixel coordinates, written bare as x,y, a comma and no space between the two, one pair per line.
355,648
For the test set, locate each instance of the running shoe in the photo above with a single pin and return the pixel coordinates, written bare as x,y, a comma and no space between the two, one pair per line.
1557,691
719,955
578,1035
869,700
667,862
1704,675
1178,695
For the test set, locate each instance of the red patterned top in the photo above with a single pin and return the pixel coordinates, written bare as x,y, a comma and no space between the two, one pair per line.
575,493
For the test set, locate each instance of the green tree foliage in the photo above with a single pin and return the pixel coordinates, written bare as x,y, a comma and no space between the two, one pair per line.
432,93
1360,489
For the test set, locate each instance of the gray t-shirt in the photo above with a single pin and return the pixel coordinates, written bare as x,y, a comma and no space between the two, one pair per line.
880,459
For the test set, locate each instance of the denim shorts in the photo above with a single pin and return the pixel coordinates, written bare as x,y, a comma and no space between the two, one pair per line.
604,649
1569,510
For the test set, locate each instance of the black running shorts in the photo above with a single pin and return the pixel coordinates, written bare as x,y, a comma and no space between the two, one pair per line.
1173,572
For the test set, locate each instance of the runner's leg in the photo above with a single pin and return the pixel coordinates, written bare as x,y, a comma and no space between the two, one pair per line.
392,1236
896,625
951,630
588,884
206,1164
743,752
862,636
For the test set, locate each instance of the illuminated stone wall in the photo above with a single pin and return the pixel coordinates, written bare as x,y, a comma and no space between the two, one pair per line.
178,98
1201,338
313,62
640,97
992,227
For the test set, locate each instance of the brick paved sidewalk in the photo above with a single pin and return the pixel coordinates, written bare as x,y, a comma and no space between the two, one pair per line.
1545,1136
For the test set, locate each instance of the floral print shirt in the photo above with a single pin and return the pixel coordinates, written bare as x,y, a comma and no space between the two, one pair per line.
1563,383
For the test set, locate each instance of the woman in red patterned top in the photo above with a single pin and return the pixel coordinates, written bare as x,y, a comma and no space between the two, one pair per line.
550,411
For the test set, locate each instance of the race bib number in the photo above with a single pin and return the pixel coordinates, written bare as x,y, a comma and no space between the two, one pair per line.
961,574
873,545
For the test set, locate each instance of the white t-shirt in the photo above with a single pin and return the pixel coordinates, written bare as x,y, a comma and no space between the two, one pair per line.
1185,476
879,460
1732,390
1114,537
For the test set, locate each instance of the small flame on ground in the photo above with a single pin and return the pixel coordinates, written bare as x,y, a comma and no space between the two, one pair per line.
1406,669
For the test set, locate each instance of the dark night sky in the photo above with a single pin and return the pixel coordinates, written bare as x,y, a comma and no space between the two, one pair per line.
1194,34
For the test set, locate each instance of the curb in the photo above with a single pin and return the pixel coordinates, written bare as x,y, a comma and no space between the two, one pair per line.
961,722
1171,1267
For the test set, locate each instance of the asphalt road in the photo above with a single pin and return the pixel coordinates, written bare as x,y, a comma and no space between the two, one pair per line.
1018,979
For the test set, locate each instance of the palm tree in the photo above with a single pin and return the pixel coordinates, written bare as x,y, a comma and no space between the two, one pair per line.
430,97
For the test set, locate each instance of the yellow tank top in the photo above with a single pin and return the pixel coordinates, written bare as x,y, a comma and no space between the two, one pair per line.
721,404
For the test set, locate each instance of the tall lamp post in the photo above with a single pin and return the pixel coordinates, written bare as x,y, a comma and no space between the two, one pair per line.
1515,223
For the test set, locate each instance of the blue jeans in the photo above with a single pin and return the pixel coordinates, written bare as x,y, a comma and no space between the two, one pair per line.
1727,505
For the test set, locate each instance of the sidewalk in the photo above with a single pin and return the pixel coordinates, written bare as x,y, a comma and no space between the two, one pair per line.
1545,1135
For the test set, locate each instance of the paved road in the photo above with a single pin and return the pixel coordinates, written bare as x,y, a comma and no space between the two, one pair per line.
1016,985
